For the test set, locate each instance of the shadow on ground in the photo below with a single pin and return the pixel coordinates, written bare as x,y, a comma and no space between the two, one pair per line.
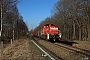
67,42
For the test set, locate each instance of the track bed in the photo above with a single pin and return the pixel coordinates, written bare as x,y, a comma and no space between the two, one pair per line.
62,52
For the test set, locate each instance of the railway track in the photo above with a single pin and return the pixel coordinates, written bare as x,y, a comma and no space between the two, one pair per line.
49,52
75,49
85,54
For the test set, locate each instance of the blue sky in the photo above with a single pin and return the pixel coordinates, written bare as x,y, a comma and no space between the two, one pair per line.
34,11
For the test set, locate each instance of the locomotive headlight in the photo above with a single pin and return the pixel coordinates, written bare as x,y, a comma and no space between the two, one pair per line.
48,36
60,35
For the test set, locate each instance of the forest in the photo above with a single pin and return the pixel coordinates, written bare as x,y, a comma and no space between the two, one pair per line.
11,22
72,17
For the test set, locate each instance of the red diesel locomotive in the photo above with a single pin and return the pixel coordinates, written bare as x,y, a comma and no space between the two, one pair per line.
48,32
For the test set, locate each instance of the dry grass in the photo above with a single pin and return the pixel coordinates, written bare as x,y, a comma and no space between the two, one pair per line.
18,50
82,44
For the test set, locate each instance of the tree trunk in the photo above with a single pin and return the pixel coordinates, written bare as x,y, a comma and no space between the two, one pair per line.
79,32
88,33
64,34
73,30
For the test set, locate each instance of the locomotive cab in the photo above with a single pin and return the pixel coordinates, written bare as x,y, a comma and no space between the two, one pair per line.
51,32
